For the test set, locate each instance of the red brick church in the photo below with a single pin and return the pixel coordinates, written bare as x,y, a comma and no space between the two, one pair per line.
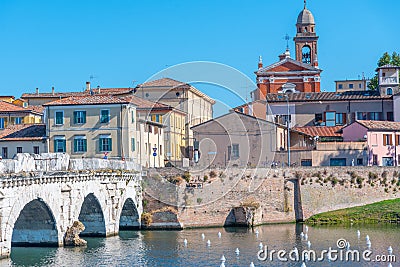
289,75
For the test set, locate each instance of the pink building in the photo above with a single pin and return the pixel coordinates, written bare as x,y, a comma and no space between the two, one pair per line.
382,139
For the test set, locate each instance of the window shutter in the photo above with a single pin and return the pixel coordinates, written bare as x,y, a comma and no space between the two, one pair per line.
84,145
84,117
75,117
110,142
55,146
384,140
100,148
64,146
396,139
75,145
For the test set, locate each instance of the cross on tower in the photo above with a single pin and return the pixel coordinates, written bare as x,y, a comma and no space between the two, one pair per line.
287,38
305,3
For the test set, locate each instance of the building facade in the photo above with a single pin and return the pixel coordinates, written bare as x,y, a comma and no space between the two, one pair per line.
389,80
11,114
351,85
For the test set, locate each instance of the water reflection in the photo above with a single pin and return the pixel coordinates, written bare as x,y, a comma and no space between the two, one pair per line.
166,248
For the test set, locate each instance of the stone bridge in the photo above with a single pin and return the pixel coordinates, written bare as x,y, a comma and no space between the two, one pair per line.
37,207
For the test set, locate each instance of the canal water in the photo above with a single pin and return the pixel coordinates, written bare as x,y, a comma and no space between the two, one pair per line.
167,248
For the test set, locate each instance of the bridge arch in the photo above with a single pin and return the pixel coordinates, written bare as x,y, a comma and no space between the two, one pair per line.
35,226
92,217
129,218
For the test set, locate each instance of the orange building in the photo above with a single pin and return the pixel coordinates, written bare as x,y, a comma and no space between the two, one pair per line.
289,75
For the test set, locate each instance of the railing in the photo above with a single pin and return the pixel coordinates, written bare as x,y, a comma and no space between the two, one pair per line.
388,80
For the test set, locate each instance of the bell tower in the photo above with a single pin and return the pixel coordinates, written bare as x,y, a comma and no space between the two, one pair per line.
306,38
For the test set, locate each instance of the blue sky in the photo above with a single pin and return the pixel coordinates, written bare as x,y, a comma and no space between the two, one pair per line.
59,43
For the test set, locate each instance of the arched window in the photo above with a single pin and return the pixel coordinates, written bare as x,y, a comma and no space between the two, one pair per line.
389,91
306,54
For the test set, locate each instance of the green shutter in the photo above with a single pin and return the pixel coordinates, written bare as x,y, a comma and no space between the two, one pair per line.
55,146
110,142
84,116
75,117
64,145
133,144
84,145
100,148
75,145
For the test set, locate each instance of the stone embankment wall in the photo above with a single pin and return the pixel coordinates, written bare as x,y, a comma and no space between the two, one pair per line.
258,196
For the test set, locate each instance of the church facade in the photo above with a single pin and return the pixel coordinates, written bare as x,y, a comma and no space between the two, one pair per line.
293,75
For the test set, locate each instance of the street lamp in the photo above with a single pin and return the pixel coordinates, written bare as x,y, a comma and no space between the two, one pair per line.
288,126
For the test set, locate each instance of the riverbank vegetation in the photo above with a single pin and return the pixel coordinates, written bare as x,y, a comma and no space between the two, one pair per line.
387,211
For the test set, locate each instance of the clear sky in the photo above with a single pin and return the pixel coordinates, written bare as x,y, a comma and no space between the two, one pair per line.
61,43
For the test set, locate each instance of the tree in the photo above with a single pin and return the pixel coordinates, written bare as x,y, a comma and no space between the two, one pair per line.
384,60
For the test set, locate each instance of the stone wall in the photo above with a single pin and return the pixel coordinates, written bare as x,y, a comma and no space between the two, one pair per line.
274,195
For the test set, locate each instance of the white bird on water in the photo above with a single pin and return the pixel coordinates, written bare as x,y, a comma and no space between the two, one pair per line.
306,229
358,233
237,251
185,242
347,245
203,236
390,250
303,265
257,232
219,234
308,244
223,258
260,245
251,264
390,265
367,238
302,235
369,243
208,242
306,237
222,264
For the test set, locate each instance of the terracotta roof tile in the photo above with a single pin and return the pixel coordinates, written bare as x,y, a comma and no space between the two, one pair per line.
322,131
8,107
327,96
164,82
144,104
380,125
110,91
37,109
87,100
23,132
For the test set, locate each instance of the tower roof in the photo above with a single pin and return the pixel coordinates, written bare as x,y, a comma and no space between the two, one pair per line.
305,16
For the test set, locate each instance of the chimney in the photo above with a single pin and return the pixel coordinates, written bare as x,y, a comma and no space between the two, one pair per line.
52,90
37,90
87,86
282,56
98,89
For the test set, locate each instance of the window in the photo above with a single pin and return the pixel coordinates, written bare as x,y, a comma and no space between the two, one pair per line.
389,116
105,142
318,118
235,151
104,116
4,152
387,140
360,162
330,118
80,144
1,123
59,144
19,149
150,129
374,116
351,86
374,139
387,161
18,120
340,86
156,118
389,91
160,151
361,115
340,118
133,148
59,117
306,162
36,150
79,117
374,159
132,116
359,85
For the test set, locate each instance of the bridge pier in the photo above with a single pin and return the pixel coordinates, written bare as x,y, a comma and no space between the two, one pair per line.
36,211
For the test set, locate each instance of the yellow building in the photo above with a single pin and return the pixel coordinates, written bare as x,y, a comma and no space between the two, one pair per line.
173,121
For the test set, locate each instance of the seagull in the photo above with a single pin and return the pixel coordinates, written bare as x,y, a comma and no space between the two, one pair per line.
390,265
203,236
390,250
222,264
251,264
185,242
305,236
219,235
302,235
347,245
308,244
369,243
367,238
260,245
306,229
223,258
257,232
303,265
237,251
358,233
208,242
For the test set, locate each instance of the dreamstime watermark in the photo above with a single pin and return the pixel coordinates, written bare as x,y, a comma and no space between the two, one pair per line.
343,253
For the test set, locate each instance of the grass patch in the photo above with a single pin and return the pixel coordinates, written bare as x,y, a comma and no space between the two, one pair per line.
387,211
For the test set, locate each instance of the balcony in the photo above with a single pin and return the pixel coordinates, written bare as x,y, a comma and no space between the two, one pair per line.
388,80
